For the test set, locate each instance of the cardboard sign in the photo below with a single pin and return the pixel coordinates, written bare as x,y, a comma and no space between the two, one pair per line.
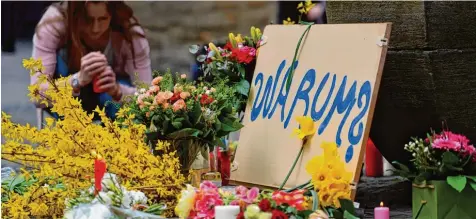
336,83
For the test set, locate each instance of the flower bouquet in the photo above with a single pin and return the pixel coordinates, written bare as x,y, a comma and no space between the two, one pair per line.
326,195
192,116
443,175
235,61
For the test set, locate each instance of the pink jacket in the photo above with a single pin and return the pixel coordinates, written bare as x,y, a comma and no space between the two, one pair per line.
47,42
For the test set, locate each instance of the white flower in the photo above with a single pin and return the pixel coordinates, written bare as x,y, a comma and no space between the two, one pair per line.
136,94
414,155
205,88
142,90
207,92
426,149
137,197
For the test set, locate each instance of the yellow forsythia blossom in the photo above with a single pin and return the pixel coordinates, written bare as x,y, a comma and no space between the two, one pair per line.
62,151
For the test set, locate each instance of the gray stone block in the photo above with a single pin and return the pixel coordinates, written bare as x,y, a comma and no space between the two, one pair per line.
454,73
408,19
405,103
451,24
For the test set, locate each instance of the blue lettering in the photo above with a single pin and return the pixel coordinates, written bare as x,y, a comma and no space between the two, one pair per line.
366,91
267,104
256,110
267,101
316,115
342,105
281,100
302,93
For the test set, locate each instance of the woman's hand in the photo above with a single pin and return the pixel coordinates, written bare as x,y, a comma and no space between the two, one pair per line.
92,64
107,83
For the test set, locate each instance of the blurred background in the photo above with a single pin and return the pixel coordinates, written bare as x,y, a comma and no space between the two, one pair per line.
170,28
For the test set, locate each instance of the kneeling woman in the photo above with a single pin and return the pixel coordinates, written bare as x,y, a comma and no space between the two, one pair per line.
100,44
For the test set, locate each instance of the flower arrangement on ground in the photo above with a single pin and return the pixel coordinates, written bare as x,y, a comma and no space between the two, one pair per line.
443,175
58,159
441,156
109,199
326,195
235,61
194,116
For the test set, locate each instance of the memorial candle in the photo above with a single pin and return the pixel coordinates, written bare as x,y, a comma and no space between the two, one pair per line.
381,212
226,212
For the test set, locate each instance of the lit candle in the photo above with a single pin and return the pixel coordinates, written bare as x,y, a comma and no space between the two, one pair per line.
226,212
381,212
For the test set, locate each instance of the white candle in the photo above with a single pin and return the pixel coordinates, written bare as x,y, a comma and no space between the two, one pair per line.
226,212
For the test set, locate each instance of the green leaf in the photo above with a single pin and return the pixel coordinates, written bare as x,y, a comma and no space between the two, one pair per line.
193,49
450,158
347,205
196,113
472,178
201,58
177,125
473,185
457,182
243,87
218,142
401,166
348,215
187,132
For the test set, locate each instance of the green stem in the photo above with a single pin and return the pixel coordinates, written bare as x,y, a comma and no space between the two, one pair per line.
299,186
292,167
419,210
290,78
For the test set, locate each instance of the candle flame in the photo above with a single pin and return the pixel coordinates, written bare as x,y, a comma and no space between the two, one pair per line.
381,204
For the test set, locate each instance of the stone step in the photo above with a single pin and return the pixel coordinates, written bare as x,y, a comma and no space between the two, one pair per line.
394,191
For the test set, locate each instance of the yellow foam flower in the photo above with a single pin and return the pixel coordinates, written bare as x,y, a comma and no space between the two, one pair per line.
307,127
288,21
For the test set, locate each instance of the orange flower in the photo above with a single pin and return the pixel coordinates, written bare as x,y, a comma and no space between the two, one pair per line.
168,95
157,80
154,89
184,95
179,104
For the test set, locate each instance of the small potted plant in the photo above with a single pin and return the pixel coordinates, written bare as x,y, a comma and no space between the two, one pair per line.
443,175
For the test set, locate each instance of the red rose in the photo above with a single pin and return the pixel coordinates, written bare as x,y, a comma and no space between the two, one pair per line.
228,46
277,214
243,55
241,215
175,97
205,99
265,205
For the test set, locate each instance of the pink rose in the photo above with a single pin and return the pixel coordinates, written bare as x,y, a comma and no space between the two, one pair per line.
154,89
184,95
160,98
147,114
165,105
183,76
178,105
157,80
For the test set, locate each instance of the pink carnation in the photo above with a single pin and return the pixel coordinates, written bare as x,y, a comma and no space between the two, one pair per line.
450,141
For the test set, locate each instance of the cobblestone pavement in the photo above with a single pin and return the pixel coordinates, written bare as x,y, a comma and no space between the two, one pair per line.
14,87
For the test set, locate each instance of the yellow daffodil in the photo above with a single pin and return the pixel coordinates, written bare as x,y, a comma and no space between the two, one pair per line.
305,7
307,127
336,195
325,197
288,21
186,201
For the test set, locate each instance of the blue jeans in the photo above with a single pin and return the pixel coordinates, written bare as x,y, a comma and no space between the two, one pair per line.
111,109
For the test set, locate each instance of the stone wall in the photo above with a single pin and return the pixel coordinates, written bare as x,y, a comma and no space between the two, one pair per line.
172,26
429,73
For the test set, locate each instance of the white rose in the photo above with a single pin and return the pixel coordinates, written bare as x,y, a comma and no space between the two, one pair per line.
142,90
